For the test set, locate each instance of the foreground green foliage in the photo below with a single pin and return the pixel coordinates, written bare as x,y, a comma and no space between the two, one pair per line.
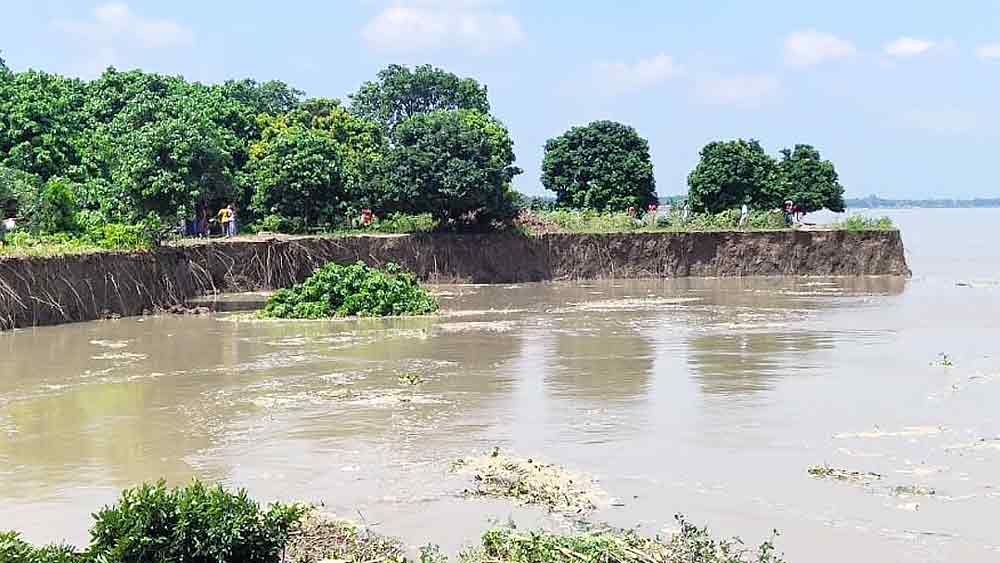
197,523
689,544
604,166
157,524
355,290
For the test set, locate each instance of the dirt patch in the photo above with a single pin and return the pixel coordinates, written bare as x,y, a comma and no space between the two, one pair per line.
529,482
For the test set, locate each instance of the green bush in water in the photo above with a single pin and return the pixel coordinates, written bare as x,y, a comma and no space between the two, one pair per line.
196,524
356,290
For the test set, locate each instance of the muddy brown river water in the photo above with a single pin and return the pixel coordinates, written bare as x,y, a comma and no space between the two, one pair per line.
710,398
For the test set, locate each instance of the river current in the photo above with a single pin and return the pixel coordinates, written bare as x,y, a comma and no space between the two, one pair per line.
706,397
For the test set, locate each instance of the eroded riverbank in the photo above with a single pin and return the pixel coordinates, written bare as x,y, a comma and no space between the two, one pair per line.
41,291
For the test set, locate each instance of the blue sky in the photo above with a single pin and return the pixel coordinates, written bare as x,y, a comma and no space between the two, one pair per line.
901,95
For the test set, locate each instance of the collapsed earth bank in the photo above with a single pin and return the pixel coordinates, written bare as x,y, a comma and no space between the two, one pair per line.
40,291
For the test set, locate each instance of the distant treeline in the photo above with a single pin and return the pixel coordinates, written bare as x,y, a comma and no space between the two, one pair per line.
875,202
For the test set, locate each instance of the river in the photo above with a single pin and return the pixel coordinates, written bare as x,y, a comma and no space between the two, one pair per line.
709,398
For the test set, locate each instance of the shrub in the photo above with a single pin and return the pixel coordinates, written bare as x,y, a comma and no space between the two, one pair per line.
604,166
862,223
402,223
15,550
57,207
355,290
195,524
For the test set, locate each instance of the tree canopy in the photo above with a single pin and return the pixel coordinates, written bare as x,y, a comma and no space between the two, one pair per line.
456,165
604,166
400,93
733,173
729,174
808,180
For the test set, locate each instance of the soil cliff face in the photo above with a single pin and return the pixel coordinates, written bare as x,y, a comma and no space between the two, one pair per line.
37,291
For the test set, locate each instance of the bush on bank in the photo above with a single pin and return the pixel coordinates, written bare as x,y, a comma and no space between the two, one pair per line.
157,524
354,290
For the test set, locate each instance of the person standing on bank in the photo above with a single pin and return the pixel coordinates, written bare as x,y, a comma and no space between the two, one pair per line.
233,223
225,219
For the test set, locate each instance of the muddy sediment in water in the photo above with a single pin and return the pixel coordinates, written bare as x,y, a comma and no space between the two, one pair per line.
40,291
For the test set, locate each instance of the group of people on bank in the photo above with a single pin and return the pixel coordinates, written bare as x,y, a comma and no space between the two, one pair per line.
223,223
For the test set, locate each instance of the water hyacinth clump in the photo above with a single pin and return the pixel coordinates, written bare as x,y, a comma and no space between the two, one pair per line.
355,290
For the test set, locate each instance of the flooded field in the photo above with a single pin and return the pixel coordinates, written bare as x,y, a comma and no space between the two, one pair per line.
856,416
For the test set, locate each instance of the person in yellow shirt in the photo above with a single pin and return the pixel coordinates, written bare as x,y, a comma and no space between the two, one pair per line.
226,220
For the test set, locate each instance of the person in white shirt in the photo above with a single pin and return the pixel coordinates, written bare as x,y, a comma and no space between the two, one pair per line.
7,226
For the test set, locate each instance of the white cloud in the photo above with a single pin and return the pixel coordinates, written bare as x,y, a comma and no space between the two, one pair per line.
908,47
741,90
811,47
989,51
114,29
620,78
942,121
429,25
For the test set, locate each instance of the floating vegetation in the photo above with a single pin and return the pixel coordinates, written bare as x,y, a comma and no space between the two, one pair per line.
827,472
689,544
943,360
529,482
322,539
352,291
912,491
906,432
410,379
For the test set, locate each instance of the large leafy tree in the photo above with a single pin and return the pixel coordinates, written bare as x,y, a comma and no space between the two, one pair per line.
40,122
400,93
808,180
603,166
170,158
297,172
731,173
456,165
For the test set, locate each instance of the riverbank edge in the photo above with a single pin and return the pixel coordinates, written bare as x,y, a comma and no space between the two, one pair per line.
45,291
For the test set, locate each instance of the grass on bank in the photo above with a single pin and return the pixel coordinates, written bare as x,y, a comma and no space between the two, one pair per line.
132,238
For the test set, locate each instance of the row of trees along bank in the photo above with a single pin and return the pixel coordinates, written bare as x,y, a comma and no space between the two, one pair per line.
135,148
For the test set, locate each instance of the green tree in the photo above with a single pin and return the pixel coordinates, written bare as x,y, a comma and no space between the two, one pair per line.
603,166
731,173
56,209
456,165
808,180
399,93
170,159
40,121
297,172
18,191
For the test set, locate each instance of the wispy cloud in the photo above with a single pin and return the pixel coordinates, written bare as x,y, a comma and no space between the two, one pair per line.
739,90
430,25
988,51
908,47
620,78
114,28
811,47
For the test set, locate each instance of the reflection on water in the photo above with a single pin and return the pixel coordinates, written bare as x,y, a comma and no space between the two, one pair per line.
707,397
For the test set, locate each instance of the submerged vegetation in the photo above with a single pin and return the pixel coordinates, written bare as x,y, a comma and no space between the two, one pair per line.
353,290
529,482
